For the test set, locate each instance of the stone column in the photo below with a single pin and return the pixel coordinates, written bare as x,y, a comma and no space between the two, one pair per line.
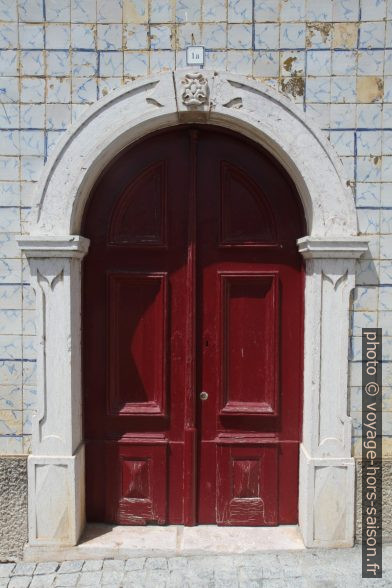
56,466
327,480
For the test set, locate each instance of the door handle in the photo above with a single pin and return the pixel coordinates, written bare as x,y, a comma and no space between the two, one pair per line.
203,395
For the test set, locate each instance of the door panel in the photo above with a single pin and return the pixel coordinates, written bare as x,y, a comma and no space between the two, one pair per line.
192,284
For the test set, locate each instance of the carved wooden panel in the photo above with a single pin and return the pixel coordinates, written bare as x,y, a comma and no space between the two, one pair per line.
245,215
247,482
137,335
250,331
140,214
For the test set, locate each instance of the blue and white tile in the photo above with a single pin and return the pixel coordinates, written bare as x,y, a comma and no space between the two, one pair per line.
367,272
387,89
84,64
162,11
12,445
136,10
318,63
58,90
8,35
109,36
135,63
239,36
29,347
28,297
386,194
386,224
266,10
10,272
386,168
31,167
78,110
136,36
58,63
32,116
343,89
107,85
239,62
8,63
10,296
368,194
10,322
369,115
215,60
31,36
58,36
8,245
9,168
111,63
386,272
344,63
373,10
31,10
32,63
239,10
8,11
9,194
371,35
162,61
369,143
30,397
292,11
385,297
365,298
266,36
58,10
10,346
319,10
11,422
83,11
388,62
387,142
213,11
9,223
32,90
386,242
363,320
53,137
388,33
188,10
58,116
319,37
161,37
266,64
343,142
368,221
10,372
318,89
214,35
10,398
29,318
292,35
348,166
318,114
84,90
27,194
370,63
346,10
27,421
188,34
83,36
342,116
9,142
109,11
29,373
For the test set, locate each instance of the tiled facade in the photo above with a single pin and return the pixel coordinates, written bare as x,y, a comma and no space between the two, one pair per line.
332,57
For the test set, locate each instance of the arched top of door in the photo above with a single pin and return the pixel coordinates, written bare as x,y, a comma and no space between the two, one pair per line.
194,96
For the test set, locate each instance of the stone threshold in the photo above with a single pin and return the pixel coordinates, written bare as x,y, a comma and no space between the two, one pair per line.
118,542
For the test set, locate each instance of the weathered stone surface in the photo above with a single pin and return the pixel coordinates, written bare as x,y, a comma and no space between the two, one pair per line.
13,507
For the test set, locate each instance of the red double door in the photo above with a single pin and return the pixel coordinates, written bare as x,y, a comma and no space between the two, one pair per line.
192,334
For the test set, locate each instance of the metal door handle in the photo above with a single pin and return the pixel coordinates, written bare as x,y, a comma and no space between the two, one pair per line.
203,395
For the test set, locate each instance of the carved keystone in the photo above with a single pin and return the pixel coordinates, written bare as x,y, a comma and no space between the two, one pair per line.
195,92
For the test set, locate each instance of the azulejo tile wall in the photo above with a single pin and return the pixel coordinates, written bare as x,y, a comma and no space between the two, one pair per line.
332,57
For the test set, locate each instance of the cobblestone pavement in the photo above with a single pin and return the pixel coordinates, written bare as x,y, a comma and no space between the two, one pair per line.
305,569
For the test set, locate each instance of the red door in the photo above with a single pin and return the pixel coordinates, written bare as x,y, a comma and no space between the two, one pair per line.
192,328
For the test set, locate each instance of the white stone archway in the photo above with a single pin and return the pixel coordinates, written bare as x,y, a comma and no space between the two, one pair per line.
55,248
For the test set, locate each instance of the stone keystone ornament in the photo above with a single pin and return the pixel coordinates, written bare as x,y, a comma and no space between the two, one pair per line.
195,91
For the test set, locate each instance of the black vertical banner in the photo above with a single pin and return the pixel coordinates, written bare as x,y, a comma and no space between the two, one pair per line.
371,453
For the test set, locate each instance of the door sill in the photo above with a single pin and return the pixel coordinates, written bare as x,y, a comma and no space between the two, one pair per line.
118,542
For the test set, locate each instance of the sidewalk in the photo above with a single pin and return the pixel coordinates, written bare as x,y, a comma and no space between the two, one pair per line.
283,569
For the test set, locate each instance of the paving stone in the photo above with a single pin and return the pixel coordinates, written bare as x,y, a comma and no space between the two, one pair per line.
156,563
114,564
225,579
157,578
90,579
24,569
177,563
20,582
70,567
6,569
93,565
136,563
67,579
48,567
111,577
42,581
135,579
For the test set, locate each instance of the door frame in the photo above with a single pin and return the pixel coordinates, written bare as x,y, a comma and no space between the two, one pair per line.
54,249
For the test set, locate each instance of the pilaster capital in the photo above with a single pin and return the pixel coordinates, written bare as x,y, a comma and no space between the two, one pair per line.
69,246
344,247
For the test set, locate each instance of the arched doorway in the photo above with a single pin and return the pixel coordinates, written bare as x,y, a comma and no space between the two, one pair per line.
193,334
